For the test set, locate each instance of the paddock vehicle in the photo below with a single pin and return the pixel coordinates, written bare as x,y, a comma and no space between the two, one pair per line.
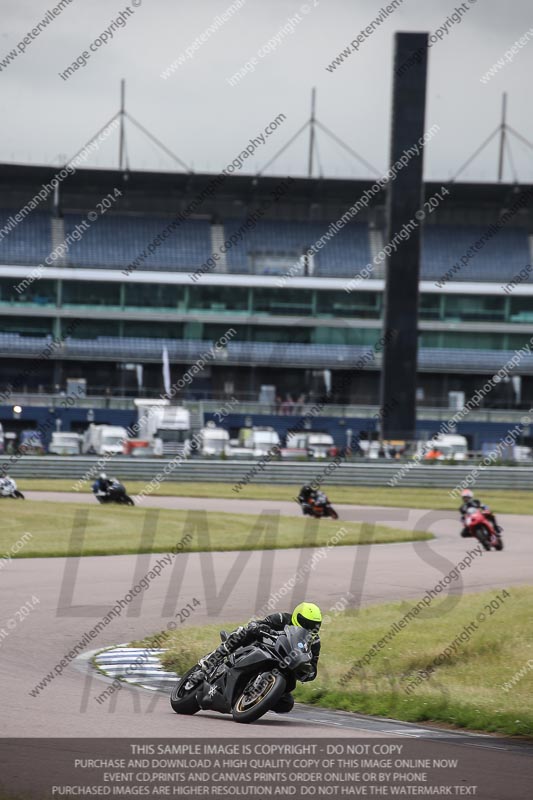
166,427
445,446
31,443
104,439
252,680
256,442
214,441
65,444
313,444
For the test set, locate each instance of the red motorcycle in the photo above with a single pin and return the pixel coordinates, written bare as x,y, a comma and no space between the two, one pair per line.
478,525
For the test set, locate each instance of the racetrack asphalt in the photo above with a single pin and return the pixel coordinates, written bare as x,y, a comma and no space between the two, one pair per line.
231,587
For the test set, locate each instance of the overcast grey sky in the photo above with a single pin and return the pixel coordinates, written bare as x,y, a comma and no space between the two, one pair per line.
207,122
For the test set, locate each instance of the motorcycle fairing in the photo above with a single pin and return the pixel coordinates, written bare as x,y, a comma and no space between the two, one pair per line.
288,650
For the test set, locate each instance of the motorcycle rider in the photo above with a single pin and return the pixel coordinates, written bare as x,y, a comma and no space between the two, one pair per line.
469,501
305,615
102,484
8,487
307,497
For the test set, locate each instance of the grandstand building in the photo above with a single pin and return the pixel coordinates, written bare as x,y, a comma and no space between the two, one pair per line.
173,260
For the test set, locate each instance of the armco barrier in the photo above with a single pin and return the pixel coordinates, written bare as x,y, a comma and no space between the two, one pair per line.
358,473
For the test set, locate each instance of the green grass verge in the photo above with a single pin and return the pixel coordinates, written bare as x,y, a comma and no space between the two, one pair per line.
465,691
503,501
56,529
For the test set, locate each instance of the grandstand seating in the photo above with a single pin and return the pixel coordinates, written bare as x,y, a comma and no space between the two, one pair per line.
437,358
29,242
115,241
345,253
272,247
256,353
500,259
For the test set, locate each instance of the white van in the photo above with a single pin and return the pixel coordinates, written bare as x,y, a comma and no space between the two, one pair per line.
256,442
448,445
315,445
65,444
104,439
215,441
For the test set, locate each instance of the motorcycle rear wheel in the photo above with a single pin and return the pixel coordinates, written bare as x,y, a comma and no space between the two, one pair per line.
250,706
183,701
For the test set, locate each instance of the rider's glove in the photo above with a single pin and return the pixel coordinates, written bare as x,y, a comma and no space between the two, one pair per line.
307,673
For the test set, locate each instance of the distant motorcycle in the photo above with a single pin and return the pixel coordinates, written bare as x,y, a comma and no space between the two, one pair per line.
8,488
251,681
318,507
116,493
480,527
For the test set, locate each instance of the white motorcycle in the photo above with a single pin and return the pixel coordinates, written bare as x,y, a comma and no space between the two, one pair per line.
8,488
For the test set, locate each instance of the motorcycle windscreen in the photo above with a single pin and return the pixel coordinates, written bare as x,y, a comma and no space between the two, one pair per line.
294,646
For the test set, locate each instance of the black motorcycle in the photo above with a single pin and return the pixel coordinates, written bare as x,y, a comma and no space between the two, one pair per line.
251,681
116,493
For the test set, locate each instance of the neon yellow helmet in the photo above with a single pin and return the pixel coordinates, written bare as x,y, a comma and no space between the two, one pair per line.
307,615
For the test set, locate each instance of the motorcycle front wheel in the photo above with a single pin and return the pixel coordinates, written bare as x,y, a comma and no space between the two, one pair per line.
260,694
183,698
18,495
128,501
332,513
482,536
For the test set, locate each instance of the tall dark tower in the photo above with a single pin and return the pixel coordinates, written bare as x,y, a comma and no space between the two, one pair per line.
404,199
